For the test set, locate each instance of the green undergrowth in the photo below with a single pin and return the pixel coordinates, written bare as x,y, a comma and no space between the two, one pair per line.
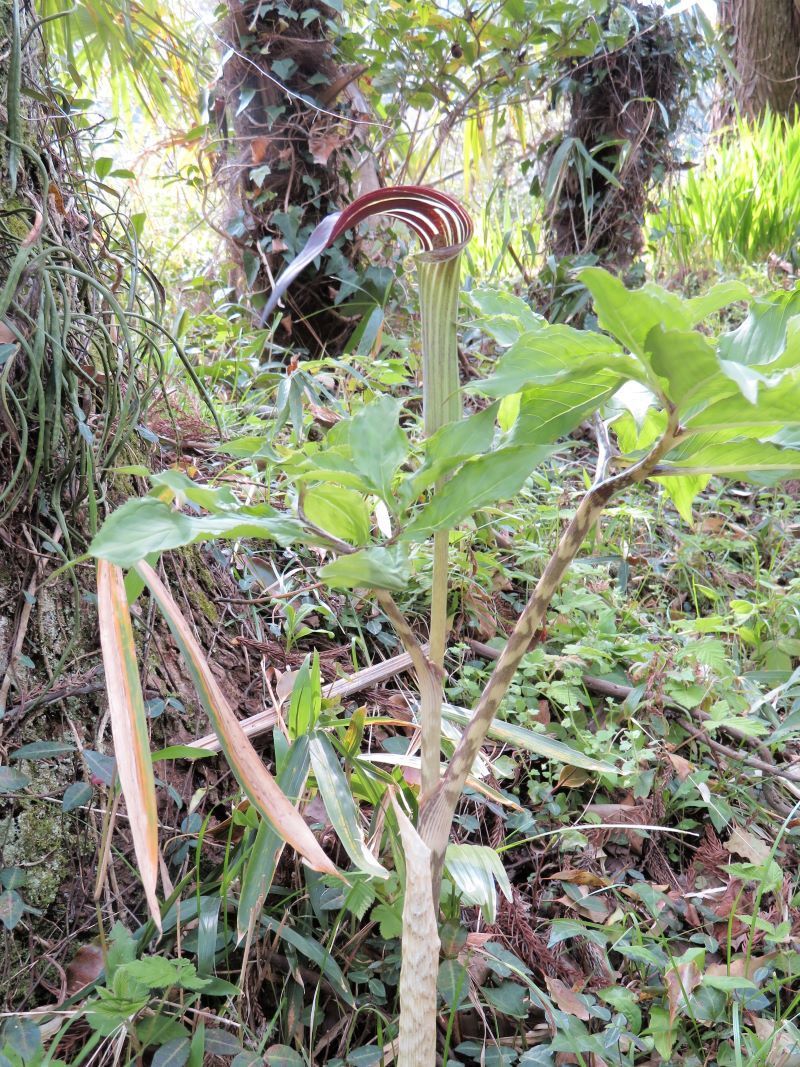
645,916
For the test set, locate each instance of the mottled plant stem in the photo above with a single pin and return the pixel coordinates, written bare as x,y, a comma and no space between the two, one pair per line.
420,965
437,810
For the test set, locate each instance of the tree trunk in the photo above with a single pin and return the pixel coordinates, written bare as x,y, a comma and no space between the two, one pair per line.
72,363
765,46
297,154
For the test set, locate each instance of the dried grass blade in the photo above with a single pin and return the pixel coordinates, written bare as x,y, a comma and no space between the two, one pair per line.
129,725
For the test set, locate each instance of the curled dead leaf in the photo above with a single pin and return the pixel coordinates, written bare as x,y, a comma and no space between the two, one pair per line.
321,145
578,877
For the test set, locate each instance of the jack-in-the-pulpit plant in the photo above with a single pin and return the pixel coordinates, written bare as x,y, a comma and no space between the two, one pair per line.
680,405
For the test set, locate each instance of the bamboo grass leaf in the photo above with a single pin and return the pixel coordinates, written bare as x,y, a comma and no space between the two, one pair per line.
268,844
129,725
254,778
474,869
341,807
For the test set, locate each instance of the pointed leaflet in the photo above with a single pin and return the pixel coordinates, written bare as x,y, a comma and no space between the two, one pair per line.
129,725
254,778
145,525
494,476
440,222
555,354
268,845
340,806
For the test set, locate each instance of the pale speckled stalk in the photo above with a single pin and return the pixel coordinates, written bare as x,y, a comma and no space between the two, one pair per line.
436,811
420,967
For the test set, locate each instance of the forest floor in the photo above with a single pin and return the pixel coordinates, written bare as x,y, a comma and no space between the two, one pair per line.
650,916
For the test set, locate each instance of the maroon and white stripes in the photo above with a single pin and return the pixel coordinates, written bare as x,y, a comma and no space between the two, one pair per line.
441,223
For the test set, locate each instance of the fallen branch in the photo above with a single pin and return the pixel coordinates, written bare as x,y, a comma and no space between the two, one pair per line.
343,687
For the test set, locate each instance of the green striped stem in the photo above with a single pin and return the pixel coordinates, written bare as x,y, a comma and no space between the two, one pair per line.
438,809
439,284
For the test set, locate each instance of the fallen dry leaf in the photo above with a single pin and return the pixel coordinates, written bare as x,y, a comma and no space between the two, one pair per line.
566,999
321,145
572,778
741,967
785,1048
680,982
85,967
682,767
745,844
579,878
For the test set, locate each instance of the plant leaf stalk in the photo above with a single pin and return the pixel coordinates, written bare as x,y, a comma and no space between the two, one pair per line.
439,283
437,810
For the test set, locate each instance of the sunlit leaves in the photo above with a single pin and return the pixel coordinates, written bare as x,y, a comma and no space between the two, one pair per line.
495,476
687,361
377,567
551,355
339,511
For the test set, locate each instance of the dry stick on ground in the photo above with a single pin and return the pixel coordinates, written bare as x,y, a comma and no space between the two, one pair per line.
343,687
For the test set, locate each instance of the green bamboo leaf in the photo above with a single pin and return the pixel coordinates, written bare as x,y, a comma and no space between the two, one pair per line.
540,744
312,950
129,725
340,805
474,870
306,699
254,778
268,845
